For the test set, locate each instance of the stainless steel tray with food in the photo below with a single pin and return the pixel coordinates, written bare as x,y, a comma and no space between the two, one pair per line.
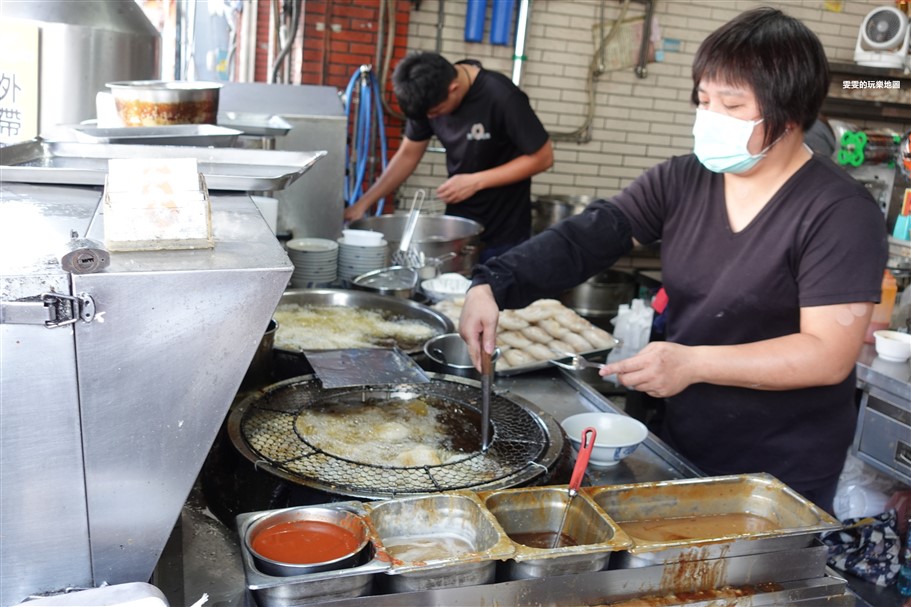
545,544
711,517
530,337
40,161
204,135
331,319
354,578
439,541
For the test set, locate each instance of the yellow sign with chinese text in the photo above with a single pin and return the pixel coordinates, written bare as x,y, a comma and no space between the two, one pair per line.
18,81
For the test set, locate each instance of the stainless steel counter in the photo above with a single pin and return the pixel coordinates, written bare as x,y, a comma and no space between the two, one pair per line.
203,556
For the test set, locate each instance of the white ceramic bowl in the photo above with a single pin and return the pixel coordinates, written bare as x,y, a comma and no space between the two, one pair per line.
364,238
445,286
617,435
893,345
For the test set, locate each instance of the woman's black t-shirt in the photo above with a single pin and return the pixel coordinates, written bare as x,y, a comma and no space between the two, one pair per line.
493,125
820,240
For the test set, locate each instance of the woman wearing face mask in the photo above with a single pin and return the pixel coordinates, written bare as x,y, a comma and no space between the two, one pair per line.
772,260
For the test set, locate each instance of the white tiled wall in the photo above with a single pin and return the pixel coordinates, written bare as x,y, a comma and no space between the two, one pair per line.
637,122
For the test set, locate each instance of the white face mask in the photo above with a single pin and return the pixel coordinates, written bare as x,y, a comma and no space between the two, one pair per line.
721,142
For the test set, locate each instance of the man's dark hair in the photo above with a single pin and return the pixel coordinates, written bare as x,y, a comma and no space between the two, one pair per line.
777,56
421,81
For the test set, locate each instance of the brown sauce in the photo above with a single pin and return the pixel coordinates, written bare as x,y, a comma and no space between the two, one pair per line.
697,527
542,539
304,542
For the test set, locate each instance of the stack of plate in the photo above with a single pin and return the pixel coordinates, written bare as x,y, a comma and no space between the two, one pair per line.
315,262
357,259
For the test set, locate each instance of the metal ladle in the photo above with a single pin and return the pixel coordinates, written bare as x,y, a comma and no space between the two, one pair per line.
585,451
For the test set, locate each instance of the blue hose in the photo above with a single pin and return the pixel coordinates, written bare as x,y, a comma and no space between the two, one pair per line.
368,90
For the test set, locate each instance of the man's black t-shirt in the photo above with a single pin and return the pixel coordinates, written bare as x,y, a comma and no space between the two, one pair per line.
820,240
493,125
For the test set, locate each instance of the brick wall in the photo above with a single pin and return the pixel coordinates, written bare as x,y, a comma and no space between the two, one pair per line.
338,36
637,122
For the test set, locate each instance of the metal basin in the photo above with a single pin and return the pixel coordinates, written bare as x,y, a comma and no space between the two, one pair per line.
393,307
435,236
397,281
440,541
304,540
532,517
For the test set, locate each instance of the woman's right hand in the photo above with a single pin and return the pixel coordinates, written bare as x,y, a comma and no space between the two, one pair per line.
478,322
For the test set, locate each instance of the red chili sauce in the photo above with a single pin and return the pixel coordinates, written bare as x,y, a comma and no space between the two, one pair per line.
304,542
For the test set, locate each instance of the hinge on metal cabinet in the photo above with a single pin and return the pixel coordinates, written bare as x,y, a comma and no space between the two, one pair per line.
49,309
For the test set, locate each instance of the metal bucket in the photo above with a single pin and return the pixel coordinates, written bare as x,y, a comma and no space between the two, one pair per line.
434,236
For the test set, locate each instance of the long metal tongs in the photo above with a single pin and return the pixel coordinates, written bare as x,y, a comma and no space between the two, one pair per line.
405,255
576,362
585,451
486,387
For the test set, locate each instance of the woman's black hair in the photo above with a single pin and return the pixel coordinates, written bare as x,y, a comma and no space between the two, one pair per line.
777,56
421,81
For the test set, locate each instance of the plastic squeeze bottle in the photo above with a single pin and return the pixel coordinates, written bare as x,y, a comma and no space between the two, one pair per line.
882,312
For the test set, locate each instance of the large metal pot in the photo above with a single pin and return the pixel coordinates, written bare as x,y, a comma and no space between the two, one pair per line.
548,210
159,102
434,236
600,296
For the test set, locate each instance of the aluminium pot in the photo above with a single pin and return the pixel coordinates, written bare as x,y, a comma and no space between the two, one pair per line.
601,295
436,236
549,210
160,102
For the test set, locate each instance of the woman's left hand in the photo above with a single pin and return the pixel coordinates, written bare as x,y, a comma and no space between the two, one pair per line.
660,369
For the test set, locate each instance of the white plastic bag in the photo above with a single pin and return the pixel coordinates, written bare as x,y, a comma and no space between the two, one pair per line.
862,490
632,326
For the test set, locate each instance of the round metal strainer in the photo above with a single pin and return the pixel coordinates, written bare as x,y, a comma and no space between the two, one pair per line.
270,428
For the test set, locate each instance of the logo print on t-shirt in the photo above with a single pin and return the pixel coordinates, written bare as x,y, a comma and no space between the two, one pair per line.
477,132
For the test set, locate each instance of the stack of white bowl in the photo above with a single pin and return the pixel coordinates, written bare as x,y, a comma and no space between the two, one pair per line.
360,251
315,262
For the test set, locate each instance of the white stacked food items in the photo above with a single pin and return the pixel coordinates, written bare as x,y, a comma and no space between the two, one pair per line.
536,333
155,204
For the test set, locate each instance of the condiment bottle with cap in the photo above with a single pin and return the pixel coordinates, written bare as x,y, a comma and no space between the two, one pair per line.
882,312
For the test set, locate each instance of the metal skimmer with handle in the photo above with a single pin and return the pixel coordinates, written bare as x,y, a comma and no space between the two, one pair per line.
406,255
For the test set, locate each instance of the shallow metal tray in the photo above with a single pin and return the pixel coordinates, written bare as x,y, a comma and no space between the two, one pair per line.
204,135
452,514
312,587
251,123
550,510
40,161
545,364
797,521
